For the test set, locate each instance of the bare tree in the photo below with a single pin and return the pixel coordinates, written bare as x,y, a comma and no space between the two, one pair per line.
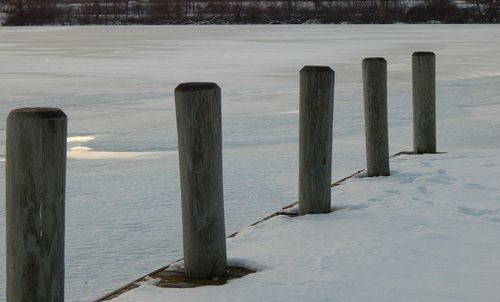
486,10
30,12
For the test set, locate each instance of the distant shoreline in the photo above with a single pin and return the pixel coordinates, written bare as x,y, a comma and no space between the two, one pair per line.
221,12
432,22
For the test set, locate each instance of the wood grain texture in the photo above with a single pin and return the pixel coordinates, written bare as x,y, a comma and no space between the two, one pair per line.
424,102
315,139
375,110
198,110
35,196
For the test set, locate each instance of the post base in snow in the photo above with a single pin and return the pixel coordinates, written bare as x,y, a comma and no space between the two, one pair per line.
177,279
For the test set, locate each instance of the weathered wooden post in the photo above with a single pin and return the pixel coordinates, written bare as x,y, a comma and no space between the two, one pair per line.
424,102
198,110
35,192
375,103
315,139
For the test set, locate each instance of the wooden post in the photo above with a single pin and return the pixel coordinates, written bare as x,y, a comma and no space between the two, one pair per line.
424,102
198,110
315,139
375,103
35,192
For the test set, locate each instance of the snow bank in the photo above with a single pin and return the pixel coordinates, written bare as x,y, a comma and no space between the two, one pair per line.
429,232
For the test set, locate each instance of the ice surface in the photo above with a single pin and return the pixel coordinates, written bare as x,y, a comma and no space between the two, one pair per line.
116,86
80,139
426,233
80,151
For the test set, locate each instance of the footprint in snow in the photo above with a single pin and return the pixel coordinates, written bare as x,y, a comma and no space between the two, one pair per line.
392,192
476,186
440,179
483,214
423,190
426,164
441,172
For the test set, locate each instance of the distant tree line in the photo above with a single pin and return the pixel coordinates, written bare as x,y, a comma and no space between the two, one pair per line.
39,12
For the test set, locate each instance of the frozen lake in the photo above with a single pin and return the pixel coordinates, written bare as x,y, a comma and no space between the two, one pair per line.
116,86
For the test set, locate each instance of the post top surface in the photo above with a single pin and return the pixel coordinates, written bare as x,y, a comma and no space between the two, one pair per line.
196,86
41,112
423,53
316,68
375,59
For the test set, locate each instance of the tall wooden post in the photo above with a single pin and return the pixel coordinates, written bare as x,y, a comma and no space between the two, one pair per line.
35,193
198,110
376,128
315,139
424,102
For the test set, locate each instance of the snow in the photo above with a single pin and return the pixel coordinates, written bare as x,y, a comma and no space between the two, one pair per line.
426,233
116,85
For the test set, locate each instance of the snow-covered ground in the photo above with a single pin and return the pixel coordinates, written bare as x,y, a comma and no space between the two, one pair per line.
116,85
429,232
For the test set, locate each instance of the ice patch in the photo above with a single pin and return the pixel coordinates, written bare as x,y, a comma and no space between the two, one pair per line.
80,139
486,74
288,112
83,152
